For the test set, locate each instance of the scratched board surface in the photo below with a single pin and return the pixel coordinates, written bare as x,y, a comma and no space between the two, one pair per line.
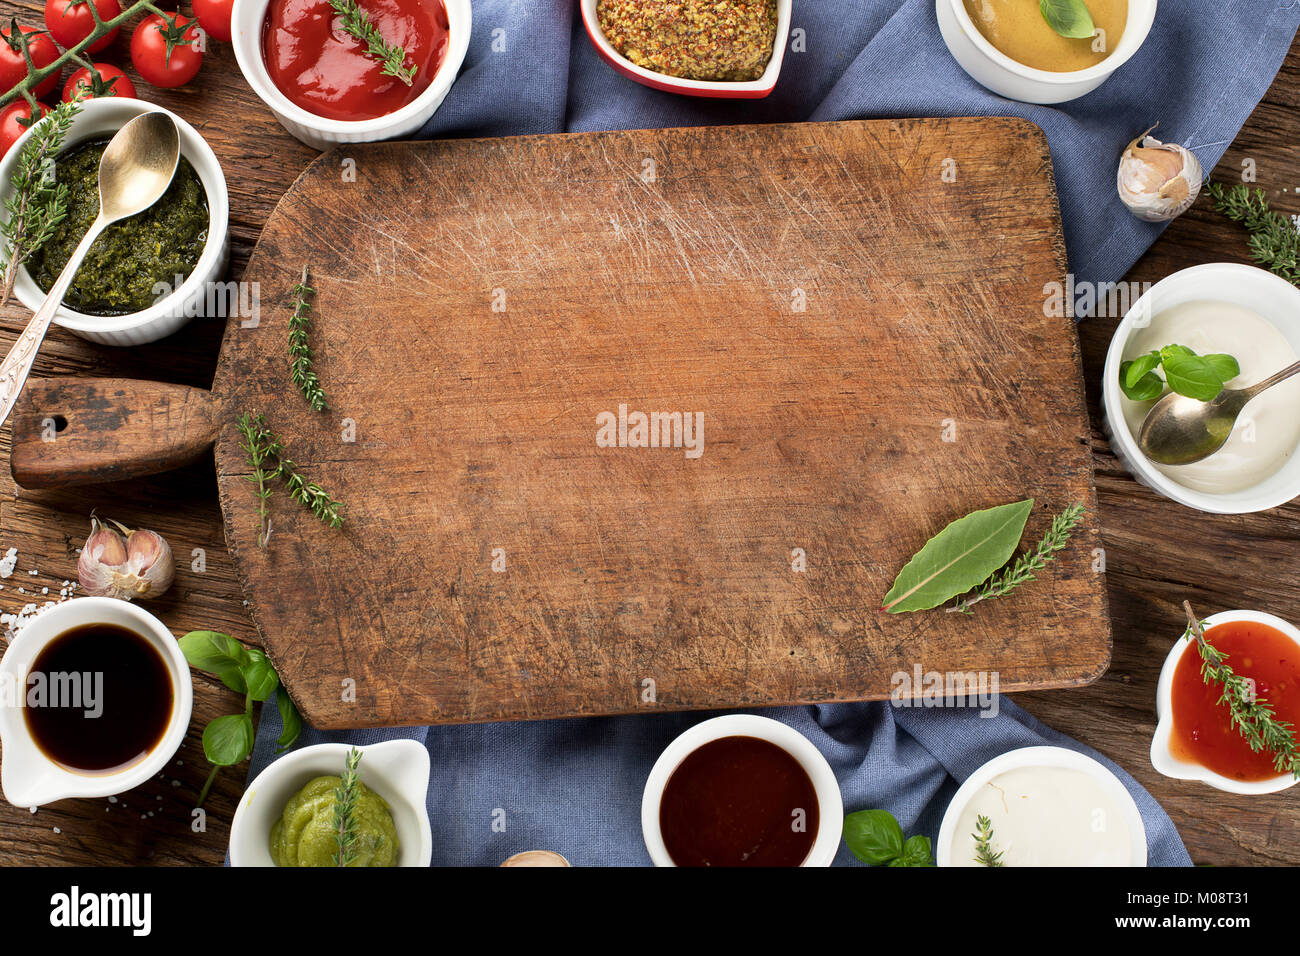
858,341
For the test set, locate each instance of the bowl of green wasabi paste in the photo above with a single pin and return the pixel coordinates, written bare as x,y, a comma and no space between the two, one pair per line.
148,275
289,815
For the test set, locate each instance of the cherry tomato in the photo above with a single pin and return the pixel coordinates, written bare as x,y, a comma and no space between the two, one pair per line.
13,68
214,17
70,22
10,128
113,82
152,60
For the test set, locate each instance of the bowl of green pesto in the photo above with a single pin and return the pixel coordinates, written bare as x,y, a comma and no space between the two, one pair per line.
288,814
148,275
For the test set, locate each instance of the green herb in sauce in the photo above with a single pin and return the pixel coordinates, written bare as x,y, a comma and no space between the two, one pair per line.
134,260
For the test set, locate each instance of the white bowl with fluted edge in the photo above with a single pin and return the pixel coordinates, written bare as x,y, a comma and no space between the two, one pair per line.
104,117
320,132
29,777
397,770
993,69
1273,299
1044,756
830,805
1162,755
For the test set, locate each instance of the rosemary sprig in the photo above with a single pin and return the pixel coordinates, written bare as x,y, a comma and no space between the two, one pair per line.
358,24
310,494
301,359
38,203
263,450
1273,242
1022,571
345,806
1251,715
983,837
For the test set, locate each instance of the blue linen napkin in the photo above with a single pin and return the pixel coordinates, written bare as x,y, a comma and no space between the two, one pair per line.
574,786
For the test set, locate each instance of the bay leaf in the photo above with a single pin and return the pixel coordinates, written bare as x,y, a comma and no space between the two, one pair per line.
961,556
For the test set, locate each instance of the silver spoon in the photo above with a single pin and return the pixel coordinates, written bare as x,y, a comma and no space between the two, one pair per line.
1180,430
137,167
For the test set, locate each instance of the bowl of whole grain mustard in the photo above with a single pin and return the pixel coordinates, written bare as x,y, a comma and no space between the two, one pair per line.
712,48
147,275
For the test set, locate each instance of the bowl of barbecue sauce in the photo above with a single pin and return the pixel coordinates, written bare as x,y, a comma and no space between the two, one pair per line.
742,790
96,700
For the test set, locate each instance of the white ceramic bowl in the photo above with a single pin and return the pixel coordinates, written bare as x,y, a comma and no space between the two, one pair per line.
103,117
720,89
1162,757
995,70
1043,757
28,776
830,805
397,770
1271,297
319,132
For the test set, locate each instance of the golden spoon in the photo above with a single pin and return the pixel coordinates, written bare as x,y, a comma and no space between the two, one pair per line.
137,167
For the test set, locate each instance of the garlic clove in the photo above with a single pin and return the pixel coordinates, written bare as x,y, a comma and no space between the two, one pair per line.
139,566
1158,181
536,858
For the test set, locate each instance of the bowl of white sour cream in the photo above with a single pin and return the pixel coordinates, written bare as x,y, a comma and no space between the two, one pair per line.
1244,312
1044,806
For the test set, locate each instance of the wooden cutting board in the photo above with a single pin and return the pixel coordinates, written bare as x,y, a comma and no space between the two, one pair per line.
856,310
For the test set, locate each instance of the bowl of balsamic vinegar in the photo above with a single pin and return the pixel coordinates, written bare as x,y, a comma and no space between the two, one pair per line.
742,790
96,698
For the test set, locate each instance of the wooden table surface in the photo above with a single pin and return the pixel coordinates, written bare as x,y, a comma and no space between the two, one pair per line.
1157,552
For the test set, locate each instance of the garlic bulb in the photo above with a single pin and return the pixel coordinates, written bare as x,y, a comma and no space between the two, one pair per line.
536,858
137,566
1158,181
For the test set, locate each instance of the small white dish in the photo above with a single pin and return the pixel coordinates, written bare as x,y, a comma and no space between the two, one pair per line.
1270,296
318,132
830,805
992,68
30,778
103,117
1044,756
397,770
719,89
1162,757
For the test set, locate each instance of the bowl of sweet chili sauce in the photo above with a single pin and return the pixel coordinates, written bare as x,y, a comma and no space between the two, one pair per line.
1195,738
742,790
322,84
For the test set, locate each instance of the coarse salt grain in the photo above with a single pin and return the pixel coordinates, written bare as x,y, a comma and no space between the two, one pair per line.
7,562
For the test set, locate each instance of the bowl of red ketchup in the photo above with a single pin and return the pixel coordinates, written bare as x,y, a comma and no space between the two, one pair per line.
323,84
1195,738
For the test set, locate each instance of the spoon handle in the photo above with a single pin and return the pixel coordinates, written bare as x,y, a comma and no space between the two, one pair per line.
21,357
1260,386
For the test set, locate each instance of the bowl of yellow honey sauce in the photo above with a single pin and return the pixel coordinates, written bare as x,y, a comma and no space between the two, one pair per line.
1014,49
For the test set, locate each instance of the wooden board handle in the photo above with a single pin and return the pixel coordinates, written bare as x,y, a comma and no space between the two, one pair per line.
76,431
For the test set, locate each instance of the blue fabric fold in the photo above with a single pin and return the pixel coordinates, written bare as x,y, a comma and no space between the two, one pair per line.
574,786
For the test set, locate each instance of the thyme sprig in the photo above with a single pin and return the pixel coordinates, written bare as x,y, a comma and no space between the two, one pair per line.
358,23
1022,570
1252,715
1273,241
301,358
267,461
346,795
983,837
38,203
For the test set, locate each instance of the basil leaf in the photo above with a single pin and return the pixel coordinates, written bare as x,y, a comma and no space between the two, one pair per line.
958,558
1224,366
1130,373
228,740
1069,18
916,852
1189,374
290,721
1144,388
873,836
260,678
218,654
